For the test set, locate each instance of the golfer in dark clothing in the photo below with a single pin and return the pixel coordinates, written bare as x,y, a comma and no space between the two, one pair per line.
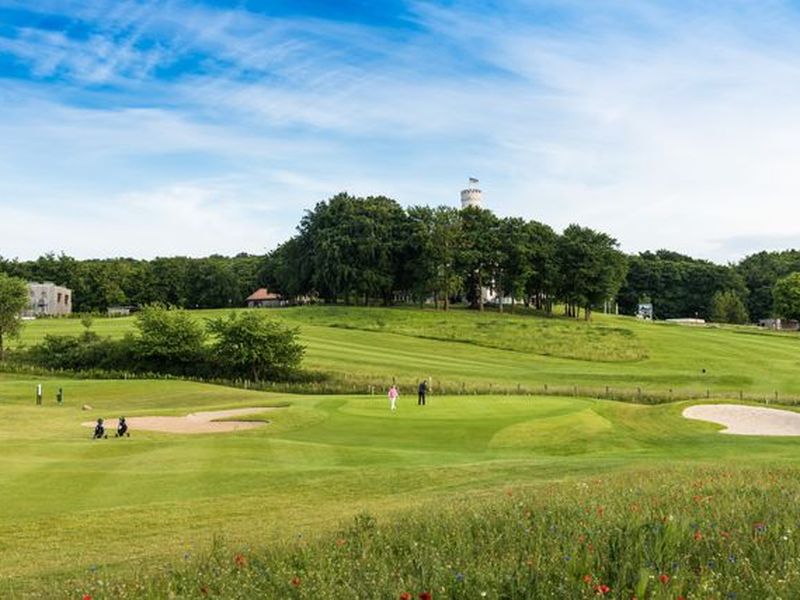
122,428
99,430
421,392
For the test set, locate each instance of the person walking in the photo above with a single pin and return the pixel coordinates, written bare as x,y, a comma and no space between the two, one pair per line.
422,391
393,394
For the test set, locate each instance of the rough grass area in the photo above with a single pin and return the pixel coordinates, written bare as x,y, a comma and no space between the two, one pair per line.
678,533
548,336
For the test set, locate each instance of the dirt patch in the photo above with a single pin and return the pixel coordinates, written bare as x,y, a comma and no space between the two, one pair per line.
747,420
200,422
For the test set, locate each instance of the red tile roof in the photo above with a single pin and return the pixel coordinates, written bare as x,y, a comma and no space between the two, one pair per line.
263,294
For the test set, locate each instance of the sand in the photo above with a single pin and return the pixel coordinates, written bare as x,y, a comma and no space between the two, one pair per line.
747,420
200,422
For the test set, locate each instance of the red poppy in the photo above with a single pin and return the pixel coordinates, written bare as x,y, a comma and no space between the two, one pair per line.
601,589
240,560
425,596
86,597
664,578
295,581
405,596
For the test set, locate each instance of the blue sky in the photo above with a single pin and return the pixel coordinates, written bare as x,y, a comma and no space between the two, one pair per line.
144,128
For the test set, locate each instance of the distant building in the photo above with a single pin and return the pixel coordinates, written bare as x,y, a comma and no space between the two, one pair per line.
48,299
120,311
779,324
262,298
645,311
472,196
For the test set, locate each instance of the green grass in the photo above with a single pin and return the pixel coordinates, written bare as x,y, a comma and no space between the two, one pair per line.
359,347
64,499
701,532
74,512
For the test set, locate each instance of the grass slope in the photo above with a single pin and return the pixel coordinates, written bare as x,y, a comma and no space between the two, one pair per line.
64,500
373,345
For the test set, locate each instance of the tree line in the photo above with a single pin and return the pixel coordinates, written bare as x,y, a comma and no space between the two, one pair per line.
365,250
97,284
369,250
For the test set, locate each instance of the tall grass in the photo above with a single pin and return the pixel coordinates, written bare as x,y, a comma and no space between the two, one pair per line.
685,532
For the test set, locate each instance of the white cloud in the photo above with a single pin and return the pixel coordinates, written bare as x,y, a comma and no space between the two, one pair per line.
666,125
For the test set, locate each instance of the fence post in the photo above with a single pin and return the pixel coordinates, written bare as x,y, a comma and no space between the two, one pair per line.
639,394
575,389
741,395
545,388
708,393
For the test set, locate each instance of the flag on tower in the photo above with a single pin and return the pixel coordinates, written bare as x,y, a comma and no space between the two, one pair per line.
473,180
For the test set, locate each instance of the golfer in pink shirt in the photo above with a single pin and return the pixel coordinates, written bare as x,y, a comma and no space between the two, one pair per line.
393,394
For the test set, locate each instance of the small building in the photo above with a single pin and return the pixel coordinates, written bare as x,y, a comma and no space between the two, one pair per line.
779,324
262,298
120,311
48,300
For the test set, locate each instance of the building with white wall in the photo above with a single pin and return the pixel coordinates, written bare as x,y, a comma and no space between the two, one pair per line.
472,196
48,299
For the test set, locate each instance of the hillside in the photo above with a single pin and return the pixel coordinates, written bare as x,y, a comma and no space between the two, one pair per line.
359,347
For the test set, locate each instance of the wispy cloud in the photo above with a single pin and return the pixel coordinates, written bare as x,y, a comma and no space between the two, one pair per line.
666,124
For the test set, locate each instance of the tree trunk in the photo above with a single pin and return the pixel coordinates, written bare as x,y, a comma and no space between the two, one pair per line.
446,302
480,293
2,352
500,298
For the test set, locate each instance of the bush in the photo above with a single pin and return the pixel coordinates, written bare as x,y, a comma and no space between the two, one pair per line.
250,345
246,346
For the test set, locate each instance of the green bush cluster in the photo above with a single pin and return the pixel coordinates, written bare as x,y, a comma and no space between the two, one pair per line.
244,345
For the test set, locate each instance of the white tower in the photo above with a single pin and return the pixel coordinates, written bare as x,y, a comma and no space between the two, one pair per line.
472,196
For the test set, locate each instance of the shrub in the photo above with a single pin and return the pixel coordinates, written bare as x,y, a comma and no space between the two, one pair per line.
251,345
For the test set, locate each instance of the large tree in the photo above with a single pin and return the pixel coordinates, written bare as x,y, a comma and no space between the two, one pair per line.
541,287
727,307
13,299
479,253
592,270
433,243
786,295
760,272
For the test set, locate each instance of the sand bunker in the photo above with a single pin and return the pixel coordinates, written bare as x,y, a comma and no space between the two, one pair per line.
201,422
747,420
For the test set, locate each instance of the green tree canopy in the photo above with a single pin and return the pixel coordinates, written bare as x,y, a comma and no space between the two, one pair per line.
786,297
169,338
13,299
592,268
249,344
727,307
